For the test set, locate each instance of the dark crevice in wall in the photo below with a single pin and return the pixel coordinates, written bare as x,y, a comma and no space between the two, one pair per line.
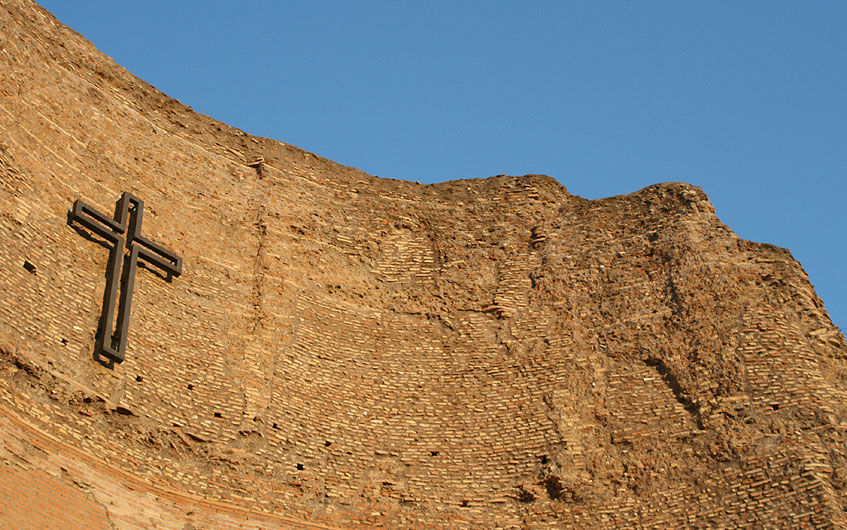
258,291
673,384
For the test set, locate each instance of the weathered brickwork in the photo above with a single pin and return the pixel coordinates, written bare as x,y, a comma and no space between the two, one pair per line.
343,351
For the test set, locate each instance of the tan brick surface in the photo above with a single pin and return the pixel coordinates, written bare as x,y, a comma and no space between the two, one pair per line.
343,351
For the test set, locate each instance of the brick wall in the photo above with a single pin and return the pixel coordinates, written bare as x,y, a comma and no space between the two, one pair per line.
343,351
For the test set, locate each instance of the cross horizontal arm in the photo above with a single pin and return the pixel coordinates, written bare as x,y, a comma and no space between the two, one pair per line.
95,221
160,258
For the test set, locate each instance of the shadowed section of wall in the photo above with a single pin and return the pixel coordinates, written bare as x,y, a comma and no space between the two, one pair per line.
343,351
32,499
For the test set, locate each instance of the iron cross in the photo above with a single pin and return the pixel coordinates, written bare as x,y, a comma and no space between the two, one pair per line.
129,212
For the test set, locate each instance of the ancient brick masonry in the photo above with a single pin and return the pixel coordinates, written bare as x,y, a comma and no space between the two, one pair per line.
343,351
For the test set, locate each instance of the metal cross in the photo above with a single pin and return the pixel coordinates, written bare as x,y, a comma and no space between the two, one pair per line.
129,212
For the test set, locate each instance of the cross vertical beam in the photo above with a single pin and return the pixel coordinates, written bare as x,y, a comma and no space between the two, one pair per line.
123,231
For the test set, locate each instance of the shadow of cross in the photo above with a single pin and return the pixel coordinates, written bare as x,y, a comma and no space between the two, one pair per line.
123,232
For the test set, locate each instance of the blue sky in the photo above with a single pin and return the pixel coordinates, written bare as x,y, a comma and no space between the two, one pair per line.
745,99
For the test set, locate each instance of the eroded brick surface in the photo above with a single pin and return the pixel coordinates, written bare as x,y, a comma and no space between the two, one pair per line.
343,351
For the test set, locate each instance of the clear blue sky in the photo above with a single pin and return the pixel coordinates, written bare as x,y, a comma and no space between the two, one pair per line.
745,99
